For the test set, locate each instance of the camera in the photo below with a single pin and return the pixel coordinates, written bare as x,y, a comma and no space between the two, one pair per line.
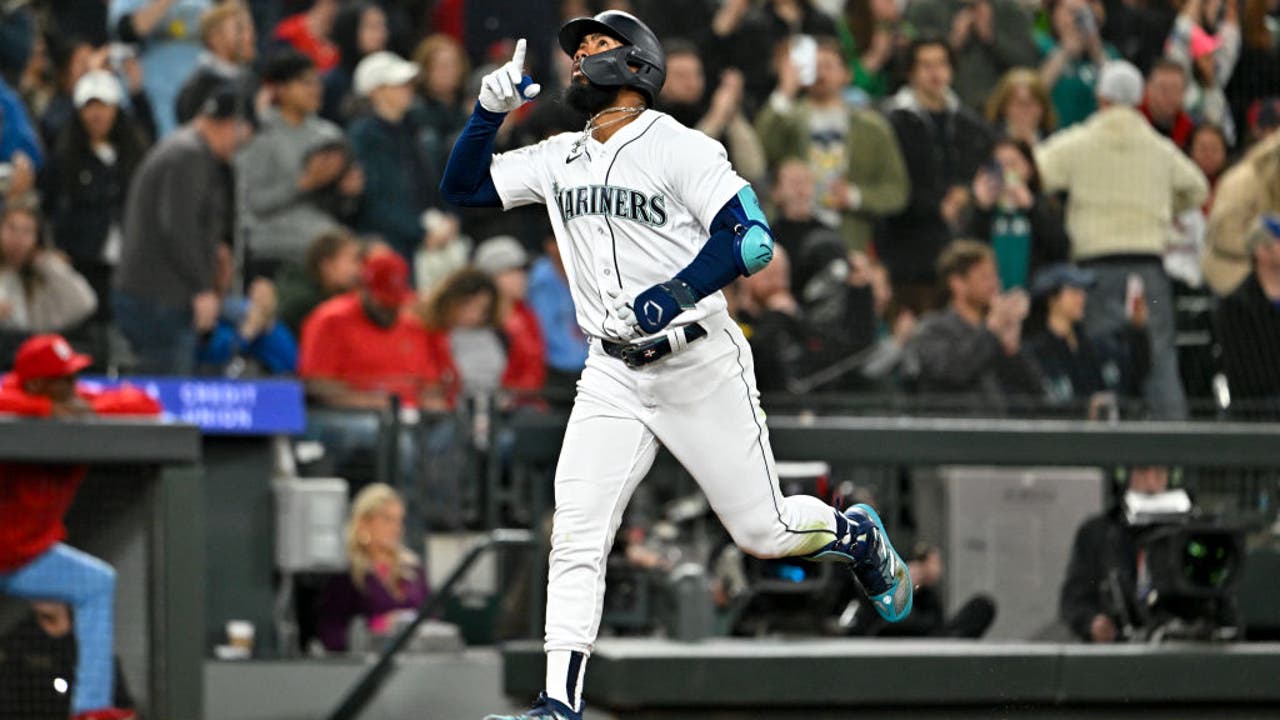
1192,567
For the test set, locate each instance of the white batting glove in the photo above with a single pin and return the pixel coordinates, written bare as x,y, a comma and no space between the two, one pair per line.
507,88
620,319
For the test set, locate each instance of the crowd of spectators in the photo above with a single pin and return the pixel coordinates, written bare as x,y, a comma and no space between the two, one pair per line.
221,187
991,206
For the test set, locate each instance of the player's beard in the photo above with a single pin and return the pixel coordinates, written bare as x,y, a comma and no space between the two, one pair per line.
586,98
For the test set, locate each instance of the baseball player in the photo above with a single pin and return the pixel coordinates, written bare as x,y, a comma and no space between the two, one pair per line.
652,221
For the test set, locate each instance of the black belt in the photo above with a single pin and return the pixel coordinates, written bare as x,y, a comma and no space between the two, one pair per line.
653,350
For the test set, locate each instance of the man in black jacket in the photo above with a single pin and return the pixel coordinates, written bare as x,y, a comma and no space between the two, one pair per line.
1103,575
1248,324
969,357
943,144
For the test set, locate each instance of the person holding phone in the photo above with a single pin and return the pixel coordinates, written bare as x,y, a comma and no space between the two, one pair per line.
1083,373
855,159
1071,54
1011,213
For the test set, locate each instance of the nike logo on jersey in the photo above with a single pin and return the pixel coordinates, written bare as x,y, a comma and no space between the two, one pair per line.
618,202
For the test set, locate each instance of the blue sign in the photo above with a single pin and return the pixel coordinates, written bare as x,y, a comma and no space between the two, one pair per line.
224,407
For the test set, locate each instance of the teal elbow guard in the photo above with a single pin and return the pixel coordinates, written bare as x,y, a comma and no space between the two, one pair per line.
753,246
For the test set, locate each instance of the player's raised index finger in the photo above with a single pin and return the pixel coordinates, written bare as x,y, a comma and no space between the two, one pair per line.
518,56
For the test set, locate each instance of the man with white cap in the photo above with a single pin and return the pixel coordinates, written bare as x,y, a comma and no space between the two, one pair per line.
400,182
1126,183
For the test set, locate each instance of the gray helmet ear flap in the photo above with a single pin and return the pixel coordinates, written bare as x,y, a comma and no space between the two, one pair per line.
626,66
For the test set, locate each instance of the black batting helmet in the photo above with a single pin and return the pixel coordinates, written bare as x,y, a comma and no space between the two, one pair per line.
614,68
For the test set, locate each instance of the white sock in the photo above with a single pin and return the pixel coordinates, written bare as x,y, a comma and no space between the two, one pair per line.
565,670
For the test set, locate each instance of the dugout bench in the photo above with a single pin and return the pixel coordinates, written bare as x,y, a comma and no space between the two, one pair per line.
140,509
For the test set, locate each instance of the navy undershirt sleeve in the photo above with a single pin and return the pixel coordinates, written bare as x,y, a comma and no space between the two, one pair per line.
720,261
466,180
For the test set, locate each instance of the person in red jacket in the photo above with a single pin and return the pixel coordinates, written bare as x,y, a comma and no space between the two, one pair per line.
505,261
34,562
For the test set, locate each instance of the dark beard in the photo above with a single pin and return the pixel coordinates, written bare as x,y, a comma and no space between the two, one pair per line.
587,98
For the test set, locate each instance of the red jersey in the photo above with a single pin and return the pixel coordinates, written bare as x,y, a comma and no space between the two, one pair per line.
35,498
526,368
294,31
526,350
340,342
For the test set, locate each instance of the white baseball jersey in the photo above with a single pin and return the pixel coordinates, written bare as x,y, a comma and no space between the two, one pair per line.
627,213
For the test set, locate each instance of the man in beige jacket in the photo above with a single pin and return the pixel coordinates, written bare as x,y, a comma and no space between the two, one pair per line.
1125,184
1245,192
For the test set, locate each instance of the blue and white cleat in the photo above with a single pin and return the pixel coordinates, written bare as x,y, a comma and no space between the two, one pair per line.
545,708
862,542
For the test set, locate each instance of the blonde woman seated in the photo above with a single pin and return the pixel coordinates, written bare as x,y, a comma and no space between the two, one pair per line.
385,580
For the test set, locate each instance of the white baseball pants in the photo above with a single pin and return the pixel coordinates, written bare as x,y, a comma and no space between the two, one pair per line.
702,404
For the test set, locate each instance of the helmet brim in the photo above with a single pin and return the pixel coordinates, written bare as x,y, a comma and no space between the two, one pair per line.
572,32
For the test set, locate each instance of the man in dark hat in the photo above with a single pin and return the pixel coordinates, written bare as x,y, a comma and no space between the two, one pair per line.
1079,370
179,209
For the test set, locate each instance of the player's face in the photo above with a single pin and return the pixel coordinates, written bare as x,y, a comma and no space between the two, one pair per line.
582,95
590,45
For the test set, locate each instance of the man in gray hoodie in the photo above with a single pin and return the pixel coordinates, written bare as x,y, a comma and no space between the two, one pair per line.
298,178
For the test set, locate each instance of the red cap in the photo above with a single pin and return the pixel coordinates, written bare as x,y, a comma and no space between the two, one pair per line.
48,356
386,277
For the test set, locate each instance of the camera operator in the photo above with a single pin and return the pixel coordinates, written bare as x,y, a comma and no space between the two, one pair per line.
1154,568
1104,555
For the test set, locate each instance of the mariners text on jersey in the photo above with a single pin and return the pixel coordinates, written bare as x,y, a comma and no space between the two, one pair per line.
618,202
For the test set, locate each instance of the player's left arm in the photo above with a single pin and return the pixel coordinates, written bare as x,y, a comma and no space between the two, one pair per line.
740,244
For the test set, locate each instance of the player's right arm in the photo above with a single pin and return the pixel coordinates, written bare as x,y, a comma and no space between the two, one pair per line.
467,180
